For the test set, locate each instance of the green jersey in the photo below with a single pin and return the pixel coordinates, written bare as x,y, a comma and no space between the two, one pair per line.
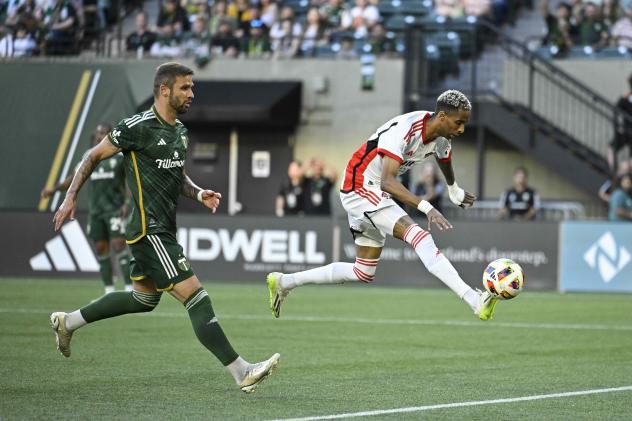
107,186
154,153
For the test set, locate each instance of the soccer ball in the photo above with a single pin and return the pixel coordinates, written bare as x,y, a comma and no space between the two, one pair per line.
503,278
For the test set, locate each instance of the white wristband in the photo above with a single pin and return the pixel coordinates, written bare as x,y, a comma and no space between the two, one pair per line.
425,206
199,196
457,194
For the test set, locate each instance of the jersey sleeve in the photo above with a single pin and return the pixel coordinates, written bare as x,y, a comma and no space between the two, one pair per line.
123,137
443,149
391,142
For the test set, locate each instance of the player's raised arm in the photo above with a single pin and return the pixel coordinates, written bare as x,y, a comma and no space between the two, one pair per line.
391,185
208,198
91,158
458,196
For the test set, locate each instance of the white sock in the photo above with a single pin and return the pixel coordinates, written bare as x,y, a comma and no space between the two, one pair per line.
334,273
238,369
471,297
109,289
75,320
434,261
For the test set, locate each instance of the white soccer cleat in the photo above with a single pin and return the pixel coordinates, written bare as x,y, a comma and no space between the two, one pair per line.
276,293
256,373
62,334
486,305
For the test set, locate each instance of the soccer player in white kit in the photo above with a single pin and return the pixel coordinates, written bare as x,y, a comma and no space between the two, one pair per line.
367,193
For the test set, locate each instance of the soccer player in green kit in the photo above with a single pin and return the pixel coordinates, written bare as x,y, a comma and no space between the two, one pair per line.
107,212
154,144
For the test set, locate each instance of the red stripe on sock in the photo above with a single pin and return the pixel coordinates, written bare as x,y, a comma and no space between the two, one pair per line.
419,240
407,231
362,276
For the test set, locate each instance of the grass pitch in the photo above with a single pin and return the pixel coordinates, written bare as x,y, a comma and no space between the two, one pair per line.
344,350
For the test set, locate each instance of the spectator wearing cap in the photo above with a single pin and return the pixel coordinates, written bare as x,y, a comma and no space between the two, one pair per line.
285,34
141,38
257,43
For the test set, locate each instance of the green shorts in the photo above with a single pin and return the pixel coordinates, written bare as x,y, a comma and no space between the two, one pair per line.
159,257
105,227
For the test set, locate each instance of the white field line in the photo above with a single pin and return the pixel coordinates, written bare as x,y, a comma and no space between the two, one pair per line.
458,404
359,320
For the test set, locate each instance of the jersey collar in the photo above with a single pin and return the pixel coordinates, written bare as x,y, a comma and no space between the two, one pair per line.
159,118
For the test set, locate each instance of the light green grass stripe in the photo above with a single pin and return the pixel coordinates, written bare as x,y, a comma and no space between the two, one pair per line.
458,404
402,322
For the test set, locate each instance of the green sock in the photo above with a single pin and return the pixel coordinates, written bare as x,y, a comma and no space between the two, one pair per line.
123,261
119,303
105,268
206,327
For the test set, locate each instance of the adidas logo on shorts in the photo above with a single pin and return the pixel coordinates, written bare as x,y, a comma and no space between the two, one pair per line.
161,142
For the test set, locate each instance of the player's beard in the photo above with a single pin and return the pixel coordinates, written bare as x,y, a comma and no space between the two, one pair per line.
179,107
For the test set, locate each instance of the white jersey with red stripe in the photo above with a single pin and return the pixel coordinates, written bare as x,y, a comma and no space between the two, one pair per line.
402,138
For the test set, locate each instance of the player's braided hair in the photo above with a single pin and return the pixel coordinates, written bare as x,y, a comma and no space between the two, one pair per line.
453,100
166,75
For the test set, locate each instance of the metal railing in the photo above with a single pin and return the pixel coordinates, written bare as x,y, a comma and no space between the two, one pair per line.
490,209
495,65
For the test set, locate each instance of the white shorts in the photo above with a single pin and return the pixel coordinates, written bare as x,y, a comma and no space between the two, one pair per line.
371,216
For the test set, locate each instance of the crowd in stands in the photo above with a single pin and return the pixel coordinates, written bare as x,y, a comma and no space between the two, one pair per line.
231,28
592,24
54,27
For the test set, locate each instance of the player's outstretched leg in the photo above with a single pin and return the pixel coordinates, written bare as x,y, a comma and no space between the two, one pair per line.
110,305
483,304
105,269
210,334
280,284
123,257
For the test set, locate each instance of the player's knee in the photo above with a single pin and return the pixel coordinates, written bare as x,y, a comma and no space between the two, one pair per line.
364,269
145,302
102,248
118,245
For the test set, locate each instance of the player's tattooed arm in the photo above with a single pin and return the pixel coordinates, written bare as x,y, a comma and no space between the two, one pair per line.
189,188
208,198
91,158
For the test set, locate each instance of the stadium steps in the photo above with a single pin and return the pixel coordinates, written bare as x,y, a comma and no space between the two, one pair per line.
535,136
